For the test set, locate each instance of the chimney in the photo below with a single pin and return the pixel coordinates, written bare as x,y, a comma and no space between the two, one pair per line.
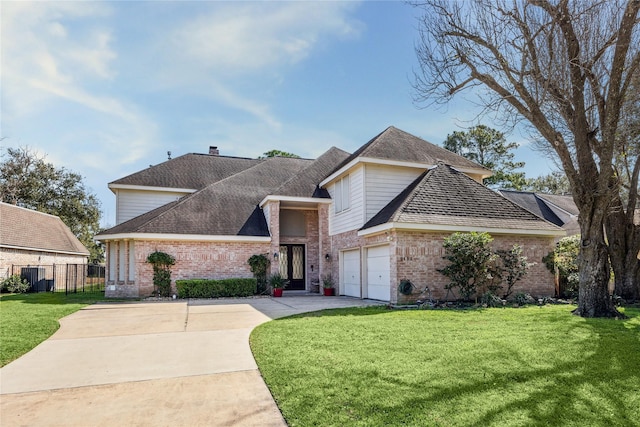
213,151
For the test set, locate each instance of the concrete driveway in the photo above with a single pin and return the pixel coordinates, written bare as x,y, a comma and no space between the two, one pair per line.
151,364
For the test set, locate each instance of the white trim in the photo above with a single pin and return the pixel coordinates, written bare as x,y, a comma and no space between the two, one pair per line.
150,188
457,228
183,237
314,200
53,251
484,173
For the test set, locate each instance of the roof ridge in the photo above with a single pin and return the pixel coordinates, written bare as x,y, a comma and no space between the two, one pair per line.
31,210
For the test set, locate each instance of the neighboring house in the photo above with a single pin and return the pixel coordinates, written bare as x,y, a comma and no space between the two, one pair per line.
560,210
32,240
369,219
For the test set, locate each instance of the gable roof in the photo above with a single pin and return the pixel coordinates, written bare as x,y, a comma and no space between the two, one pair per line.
445,197
190,171
23,228
305,182
229,207
397,145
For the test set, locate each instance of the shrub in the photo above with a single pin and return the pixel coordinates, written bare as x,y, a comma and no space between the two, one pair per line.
259,265
522,298
512,267
277,281
162,263
470,262
491,300
207,288
563,261
15,285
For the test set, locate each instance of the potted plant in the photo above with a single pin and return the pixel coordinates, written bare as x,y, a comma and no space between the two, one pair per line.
327,285
278,283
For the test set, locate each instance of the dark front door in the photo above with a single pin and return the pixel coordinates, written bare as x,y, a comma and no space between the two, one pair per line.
292,266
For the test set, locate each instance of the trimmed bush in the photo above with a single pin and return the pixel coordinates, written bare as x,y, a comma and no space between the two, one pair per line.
162,263
15,285
208,288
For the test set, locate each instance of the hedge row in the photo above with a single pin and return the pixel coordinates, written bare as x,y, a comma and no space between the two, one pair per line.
205,288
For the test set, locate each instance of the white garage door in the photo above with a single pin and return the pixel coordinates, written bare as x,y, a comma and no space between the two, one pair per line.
351,273
378,280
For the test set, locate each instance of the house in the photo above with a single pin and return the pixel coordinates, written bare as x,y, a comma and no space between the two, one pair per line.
32,243
558,209
369,219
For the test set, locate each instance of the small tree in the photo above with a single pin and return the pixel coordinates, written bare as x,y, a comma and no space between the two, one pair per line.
471,259
161,263
513,266
259,265
563,261
489,147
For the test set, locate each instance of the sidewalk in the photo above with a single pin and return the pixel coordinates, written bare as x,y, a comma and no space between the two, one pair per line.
151,364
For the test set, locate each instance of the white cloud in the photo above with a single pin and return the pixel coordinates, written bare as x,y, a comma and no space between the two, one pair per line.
248,38
57,52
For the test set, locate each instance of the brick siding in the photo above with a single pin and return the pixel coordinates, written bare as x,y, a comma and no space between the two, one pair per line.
418,255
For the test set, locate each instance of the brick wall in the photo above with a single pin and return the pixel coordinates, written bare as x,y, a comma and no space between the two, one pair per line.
194,260
9,257
419,255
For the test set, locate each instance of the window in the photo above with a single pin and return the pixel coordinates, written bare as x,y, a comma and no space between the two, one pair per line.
342,194
292,223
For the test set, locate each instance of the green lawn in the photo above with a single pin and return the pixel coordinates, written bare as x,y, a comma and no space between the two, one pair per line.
525,366
28,319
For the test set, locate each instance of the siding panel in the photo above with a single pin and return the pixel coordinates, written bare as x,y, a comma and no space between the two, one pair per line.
131,203
352,218
383,183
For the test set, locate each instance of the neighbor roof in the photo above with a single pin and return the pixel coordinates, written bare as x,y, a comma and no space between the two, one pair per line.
190,171
531,202
444,196
397,145
564,202
558,209
229,207
29,229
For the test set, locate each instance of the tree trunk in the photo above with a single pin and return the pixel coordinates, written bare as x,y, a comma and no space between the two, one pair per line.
624,243
594,268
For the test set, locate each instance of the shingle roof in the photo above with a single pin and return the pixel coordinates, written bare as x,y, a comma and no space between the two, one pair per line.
558,209
305,182
193,171
531,202
397,145
444,196
228,207
26,228
564,202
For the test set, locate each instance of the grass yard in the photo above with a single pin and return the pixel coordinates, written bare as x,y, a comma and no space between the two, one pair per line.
526,366
28,319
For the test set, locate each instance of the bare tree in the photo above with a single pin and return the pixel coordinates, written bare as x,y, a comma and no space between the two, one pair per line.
623,230
562,67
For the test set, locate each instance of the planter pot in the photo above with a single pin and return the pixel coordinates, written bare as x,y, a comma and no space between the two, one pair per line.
277,292
328,292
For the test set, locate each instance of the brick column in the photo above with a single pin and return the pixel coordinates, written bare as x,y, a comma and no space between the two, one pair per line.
274,229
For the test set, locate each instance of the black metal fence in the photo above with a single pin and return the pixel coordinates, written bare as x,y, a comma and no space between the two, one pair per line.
67,278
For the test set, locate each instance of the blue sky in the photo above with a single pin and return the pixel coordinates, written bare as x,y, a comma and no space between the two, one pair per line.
107,88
